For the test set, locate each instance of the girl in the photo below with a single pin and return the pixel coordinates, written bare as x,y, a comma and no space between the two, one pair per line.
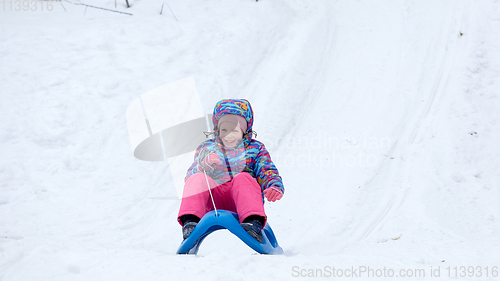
238,169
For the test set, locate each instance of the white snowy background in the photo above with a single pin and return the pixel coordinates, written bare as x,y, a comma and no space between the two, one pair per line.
382,117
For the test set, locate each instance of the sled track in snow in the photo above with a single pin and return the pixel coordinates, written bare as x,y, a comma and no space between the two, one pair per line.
413,130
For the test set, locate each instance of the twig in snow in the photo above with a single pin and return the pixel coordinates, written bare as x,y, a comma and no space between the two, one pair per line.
97,7
63,6
161,12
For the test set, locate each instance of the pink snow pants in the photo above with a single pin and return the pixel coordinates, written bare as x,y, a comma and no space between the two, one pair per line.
242,195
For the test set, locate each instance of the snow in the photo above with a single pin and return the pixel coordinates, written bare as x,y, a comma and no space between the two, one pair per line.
380,115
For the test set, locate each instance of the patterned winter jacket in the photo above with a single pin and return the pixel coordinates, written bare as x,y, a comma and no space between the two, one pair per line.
249,155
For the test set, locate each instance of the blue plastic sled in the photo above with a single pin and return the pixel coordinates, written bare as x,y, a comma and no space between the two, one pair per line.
228,220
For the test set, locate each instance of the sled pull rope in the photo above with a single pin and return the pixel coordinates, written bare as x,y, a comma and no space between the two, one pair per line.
206,178
210,191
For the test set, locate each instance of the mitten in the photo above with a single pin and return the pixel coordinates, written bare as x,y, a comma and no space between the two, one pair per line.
273,193
207,161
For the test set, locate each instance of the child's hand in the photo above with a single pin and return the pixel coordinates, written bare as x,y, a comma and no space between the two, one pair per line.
210,161
273,194
213,158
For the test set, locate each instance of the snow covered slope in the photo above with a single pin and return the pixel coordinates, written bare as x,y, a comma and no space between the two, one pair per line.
382,117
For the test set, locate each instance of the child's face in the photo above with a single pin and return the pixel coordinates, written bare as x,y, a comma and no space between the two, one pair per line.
230,134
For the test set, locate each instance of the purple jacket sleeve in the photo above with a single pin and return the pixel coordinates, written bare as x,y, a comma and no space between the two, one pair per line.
193,169
265,171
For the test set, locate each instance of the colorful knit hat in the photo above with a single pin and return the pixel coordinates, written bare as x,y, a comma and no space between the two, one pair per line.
239,107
